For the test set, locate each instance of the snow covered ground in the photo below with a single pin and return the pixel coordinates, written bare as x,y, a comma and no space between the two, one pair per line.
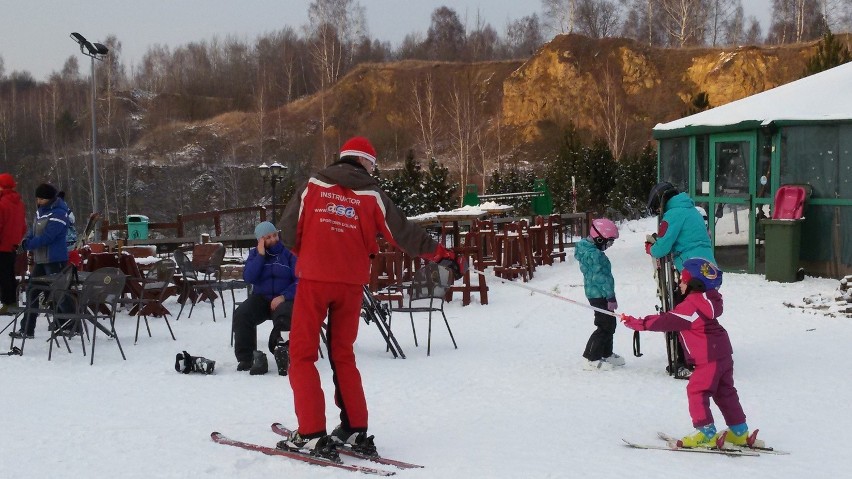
511,402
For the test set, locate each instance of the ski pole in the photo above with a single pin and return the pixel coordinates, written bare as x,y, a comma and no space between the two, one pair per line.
548,293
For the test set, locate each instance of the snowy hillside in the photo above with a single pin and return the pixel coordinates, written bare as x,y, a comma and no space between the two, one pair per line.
511,402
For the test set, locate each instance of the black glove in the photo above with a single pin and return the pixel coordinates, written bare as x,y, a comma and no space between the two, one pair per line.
457,265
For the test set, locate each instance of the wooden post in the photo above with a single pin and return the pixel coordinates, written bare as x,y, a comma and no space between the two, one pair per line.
180,226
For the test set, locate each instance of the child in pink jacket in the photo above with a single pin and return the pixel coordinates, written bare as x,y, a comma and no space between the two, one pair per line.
707,345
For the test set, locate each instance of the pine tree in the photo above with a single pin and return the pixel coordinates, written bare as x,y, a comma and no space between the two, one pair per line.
830,53
635,176
562,168
438,193
513,180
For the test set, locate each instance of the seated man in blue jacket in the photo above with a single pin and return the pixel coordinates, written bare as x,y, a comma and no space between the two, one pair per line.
271,270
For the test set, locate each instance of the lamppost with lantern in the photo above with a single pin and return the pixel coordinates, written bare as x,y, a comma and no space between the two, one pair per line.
95,51
273,174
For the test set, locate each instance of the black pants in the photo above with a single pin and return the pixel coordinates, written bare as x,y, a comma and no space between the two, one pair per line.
8,284
679,356
43,269
600,342
252,312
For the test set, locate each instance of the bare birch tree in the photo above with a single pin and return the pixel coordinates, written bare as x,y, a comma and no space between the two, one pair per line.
598,18
684,21
559,15
611,113
424,110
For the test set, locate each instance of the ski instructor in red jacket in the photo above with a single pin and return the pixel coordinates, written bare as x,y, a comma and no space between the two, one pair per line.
331,224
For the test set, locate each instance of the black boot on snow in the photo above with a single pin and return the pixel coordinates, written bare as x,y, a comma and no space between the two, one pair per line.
259,364
282,357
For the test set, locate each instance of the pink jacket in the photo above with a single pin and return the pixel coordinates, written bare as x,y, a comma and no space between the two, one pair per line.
696,321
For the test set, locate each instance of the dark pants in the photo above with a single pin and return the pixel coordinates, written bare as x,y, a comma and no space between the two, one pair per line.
679,356
8,284
600,342
42,269
252,312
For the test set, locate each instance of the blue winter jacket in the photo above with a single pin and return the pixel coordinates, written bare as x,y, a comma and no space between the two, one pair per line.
46,238
596,268
273,274
682,232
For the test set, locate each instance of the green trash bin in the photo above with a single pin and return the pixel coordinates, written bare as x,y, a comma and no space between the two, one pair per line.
137,227
783,239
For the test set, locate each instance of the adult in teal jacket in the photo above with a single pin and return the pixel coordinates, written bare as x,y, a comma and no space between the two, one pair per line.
682,232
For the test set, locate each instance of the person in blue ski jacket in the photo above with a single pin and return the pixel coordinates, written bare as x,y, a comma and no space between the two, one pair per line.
271,270
600,291
683,234
682,231
46,240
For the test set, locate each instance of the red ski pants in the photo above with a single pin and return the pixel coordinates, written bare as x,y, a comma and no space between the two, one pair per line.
341,303
714,380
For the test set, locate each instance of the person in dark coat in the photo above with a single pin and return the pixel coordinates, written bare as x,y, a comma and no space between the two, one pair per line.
271,270
13,227
46,240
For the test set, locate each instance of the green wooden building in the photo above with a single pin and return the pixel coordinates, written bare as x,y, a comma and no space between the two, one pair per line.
732,159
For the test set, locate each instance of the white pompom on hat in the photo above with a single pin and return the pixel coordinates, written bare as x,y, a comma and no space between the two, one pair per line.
360,147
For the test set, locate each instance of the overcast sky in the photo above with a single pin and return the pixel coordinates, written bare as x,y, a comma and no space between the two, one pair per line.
34,34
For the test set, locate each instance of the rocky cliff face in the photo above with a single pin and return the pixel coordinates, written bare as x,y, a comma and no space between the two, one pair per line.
612,88
593,82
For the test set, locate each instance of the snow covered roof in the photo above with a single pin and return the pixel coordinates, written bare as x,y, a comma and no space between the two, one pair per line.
819,97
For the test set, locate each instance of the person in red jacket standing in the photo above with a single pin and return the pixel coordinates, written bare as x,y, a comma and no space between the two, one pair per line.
706,343
331,224
13,227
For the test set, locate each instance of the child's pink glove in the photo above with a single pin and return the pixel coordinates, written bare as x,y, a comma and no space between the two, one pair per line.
633,323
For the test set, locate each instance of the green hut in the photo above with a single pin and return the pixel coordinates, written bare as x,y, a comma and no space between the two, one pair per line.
733,158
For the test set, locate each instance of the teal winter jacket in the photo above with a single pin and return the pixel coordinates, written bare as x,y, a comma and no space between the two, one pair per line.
682,232
596,269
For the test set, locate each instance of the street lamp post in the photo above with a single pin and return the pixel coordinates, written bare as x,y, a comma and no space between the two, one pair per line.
273,174
95,51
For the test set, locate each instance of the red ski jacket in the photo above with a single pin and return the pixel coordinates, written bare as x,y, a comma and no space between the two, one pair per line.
13,221
332,221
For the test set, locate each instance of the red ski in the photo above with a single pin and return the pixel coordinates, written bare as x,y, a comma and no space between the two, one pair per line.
307,458
282,430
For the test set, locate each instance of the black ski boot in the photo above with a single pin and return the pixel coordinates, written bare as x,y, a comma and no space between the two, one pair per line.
259,364
322,447
357,441
282,357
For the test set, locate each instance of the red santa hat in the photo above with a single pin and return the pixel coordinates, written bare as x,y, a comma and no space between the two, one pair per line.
360,147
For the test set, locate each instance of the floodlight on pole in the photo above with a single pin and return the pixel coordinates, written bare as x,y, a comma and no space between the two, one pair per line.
95,51
273,174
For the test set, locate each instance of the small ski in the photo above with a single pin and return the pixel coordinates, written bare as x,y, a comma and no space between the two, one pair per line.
307,458
720,444
278,428
673,447
757,445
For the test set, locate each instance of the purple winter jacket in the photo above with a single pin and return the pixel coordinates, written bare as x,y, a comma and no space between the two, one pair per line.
696,321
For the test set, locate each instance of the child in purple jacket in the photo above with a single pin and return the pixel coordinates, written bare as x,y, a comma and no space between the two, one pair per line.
705,343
